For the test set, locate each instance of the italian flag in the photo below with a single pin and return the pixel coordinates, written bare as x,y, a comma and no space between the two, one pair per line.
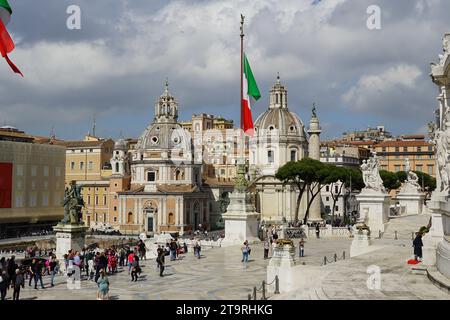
6,43
250,93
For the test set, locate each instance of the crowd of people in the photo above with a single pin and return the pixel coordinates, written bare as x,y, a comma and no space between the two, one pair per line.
39,268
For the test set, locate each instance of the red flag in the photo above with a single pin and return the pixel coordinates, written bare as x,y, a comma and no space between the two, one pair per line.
6,46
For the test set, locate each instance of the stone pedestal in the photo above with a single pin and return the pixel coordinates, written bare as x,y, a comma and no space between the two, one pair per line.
436,206
241,220
281,264
375,208
69,236
361,243
412,201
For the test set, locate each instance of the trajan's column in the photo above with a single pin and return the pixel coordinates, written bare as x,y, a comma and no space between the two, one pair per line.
314,153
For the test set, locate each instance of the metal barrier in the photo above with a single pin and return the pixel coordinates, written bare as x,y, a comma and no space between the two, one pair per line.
263,290
334,259
396,236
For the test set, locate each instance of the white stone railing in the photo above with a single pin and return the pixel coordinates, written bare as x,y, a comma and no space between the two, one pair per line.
329,232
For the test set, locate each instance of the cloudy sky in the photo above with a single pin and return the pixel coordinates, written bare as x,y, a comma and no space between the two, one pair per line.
116,65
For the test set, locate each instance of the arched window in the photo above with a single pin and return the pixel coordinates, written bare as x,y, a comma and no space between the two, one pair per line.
130,217
276,98
281,98
270,156
177,175
293,155
117,167
171,218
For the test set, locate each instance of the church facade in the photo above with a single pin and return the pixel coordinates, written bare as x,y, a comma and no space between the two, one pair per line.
157,186
280,137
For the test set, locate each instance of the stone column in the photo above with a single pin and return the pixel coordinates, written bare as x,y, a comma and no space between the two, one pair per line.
314,153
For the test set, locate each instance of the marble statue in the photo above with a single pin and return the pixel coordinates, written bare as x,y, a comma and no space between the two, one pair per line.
442,174
73,203
411,184
371,175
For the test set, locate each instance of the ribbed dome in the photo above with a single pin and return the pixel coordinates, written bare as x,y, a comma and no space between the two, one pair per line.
281,119
165,132
278,117
163,136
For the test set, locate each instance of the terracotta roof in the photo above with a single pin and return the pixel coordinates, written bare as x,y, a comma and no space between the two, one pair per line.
417,143
414,136
175,188
216,182
80,144
16,134
137,188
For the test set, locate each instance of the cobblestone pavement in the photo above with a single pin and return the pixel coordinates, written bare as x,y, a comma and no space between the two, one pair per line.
347,280
219,274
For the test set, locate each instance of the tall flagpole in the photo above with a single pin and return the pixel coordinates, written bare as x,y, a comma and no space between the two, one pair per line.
242,71
242,157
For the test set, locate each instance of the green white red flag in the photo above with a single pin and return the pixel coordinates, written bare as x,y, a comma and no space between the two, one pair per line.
6,43
250,93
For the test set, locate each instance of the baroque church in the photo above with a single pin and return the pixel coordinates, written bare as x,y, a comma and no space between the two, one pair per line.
280,137
157,184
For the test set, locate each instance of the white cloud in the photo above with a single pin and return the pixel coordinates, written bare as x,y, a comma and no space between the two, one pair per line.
376,87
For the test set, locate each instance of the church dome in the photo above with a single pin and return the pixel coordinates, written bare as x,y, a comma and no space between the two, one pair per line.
278,117
164,132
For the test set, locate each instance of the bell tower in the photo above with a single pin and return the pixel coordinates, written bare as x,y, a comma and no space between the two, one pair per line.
278,95
166,108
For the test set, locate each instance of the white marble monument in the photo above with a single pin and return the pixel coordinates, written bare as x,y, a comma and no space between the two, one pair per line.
241,219
411,195
373,200
281,265
438,240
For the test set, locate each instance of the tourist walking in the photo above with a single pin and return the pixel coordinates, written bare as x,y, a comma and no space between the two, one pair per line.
266,248
301,248
173,250
38,271
160,262
53,269
130,261
4,284
418,244
11,270
103,286
245,251
135,269
18,283
142,249
317,231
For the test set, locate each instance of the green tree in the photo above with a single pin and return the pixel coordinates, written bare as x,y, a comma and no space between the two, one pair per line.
427,181
401,176
293,173
351,180
307,175
340,177
390,180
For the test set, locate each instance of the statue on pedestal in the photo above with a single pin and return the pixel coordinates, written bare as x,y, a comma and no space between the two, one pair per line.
73,203
371,175
412,180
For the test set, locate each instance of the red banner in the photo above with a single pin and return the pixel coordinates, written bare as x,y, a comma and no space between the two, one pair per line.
5,184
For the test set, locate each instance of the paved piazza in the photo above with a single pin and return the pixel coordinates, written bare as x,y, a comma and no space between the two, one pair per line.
220,274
